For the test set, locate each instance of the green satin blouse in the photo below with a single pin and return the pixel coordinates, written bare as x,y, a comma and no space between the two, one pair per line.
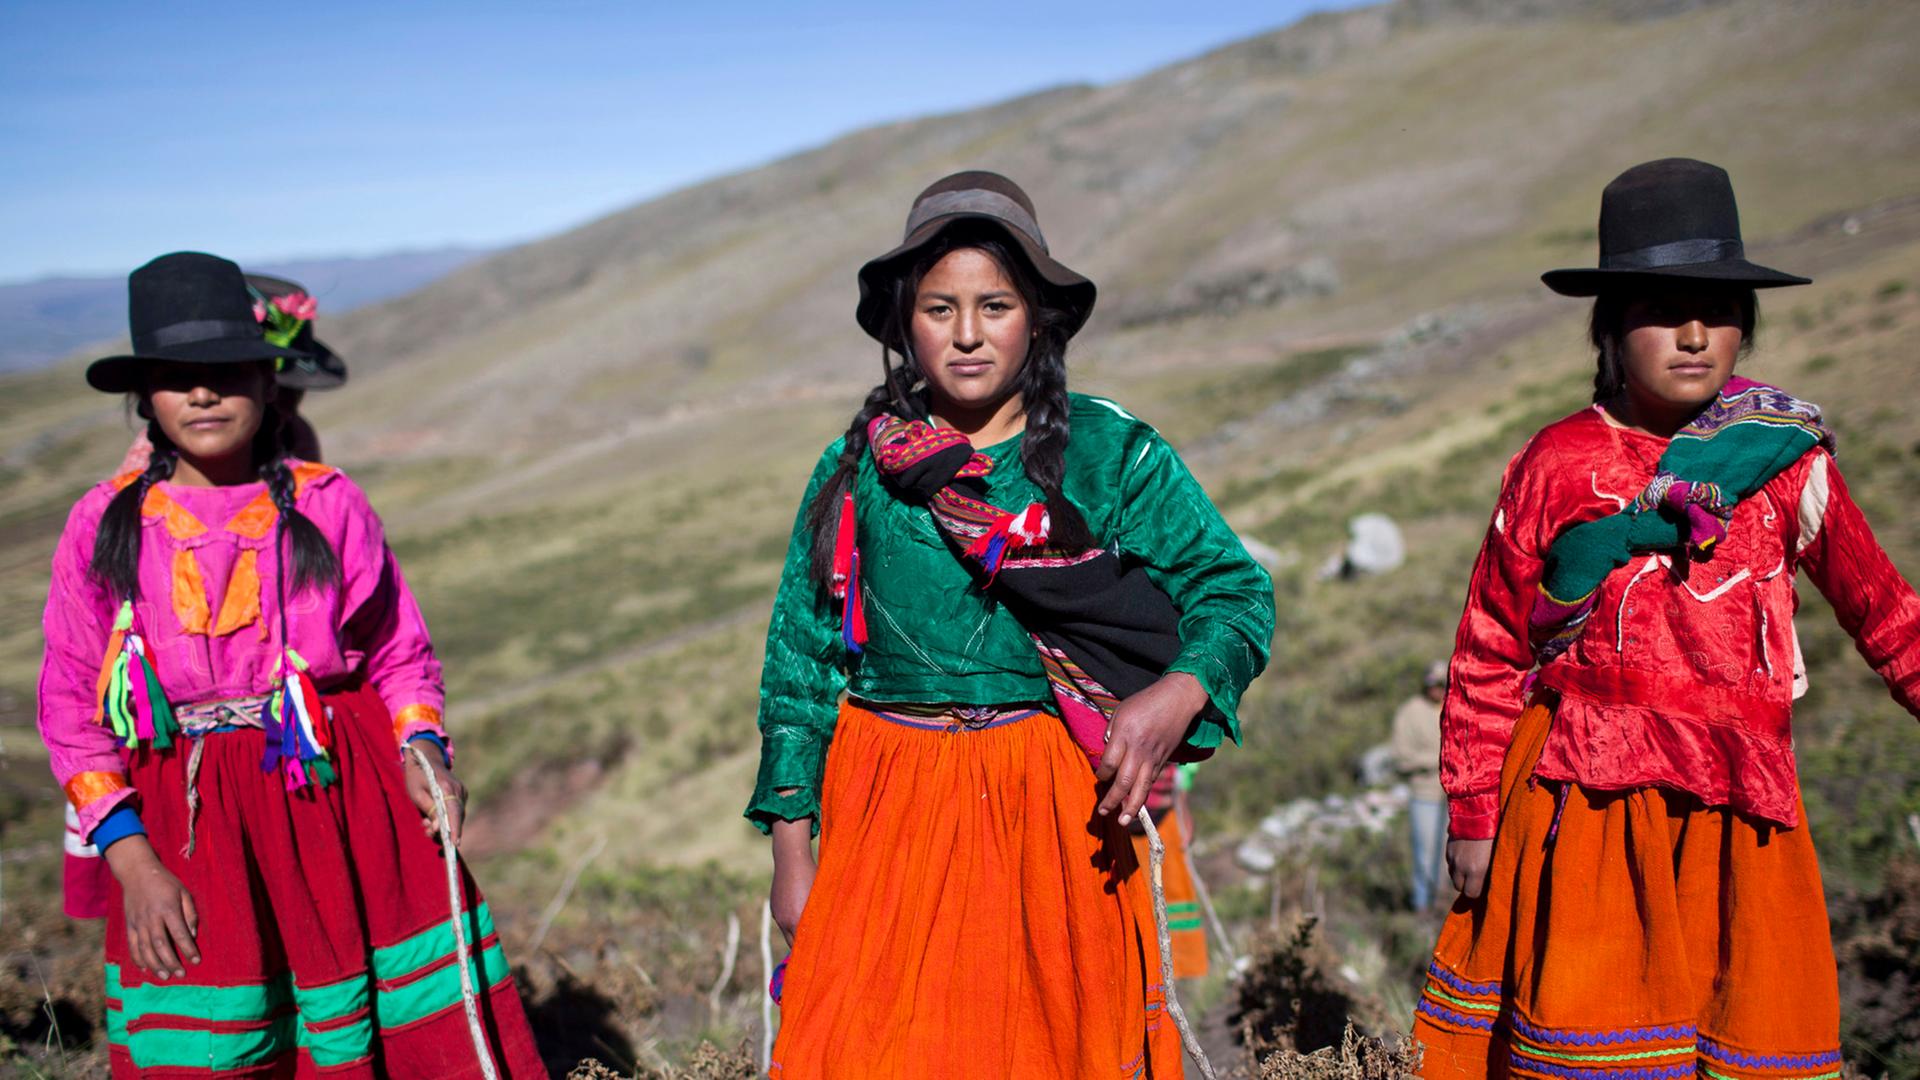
935,637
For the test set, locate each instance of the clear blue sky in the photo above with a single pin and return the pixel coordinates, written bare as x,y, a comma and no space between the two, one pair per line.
273,131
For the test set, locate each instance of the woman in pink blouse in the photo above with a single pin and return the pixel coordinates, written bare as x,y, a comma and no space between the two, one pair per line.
234,665
1640,896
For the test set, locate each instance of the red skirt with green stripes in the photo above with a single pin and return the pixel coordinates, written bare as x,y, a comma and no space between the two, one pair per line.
326,934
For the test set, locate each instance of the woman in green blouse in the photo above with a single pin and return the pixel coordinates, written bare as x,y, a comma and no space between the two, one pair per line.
977,909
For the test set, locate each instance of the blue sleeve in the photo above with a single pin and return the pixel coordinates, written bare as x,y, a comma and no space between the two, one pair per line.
122,822
438,744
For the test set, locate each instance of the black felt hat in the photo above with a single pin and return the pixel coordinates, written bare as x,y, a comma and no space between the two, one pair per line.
1672,219
188,308
974,195
321,368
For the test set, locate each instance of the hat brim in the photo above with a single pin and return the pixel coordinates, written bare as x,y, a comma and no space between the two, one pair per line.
322,369
121,374
1592,281
1071,290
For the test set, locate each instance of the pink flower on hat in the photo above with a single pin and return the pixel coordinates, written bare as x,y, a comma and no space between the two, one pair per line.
297,304
259,312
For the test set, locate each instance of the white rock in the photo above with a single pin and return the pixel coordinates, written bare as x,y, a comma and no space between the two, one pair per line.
1254,856
1374,544
1263,554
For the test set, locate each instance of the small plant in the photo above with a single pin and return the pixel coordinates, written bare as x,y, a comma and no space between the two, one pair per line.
1359,1057
1285,1002
707,1062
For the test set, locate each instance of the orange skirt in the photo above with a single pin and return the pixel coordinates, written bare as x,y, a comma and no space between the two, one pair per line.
1648,937
1184,917
971,915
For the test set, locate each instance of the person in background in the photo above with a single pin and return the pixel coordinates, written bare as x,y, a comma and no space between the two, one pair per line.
1416,757
1186,925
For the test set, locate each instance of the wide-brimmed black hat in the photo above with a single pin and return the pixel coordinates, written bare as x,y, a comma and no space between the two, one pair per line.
1669,219
190,308
321,368
971,196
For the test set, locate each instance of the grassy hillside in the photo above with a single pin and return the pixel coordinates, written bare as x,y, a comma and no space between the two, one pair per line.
1317,253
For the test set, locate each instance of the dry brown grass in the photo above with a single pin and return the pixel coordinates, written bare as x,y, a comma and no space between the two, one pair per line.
1358,1057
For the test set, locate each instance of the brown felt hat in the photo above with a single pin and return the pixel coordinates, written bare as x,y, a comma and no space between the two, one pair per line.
975,195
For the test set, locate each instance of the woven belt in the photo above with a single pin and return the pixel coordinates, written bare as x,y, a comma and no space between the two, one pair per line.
955,718
201,717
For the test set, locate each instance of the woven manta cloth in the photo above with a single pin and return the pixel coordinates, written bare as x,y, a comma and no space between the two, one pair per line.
1746,437
1104,630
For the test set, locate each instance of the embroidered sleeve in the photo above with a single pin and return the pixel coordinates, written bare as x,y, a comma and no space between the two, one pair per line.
800,682
86,761
1875,605
1167,523
384,623
1491,652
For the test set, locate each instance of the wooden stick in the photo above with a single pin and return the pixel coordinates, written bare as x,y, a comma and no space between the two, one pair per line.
1157,857
566,890
766,977
726,968
464,954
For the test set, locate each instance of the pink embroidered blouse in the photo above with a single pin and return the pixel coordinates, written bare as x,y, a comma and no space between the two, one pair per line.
1683,677
207,607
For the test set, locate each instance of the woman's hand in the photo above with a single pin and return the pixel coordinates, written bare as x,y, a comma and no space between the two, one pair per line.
1467,864
1146,729
421,793
161,918
793,870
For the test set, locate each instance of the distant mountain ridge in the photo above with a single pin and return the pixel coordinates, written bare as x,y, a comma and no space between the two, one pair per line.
45,320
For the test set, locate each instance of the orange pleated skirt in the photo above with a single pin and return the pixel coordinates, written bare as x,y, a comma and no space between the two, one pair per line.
1647,937
971,917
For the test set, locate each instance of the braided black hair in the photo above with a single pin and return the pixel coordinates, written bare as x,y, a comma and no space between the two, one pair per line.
314,560
1042,384
116,546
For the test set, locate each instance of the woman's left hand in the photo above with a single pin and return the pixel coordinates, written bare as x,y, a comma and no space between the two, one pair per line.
1145,731
421,792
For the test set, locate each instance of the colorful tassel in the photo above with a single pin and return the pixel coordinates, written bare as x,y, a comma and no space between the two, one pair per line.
845,584
130,699
1027,528
295,724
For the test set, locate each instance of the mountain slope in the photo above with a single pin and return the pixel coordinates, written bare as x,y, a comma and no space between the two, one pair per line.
42,321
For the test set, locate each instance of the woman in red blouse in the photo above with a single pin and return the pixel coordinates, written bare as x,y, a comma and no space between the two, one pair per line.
1640,899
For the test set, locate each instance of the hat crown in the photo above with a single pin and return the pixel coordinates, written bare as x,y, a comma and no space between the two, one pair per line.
187,289
981,193
1670,201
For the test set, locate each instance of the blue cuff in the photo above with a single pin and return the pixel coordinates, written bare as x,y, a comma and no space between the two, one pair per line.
439,744
122,822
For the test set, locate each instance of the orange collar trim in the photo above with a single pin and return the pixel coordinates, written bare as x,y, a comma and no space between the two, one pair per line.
253,521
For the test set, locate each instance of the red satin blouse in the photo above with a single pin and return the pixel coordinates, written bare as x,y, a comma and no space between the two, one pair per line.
1684,676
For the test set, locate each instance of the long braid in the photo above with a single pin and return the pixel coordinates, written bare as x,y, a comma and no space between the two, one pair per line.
895,394
1043,452
116,546
313,559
